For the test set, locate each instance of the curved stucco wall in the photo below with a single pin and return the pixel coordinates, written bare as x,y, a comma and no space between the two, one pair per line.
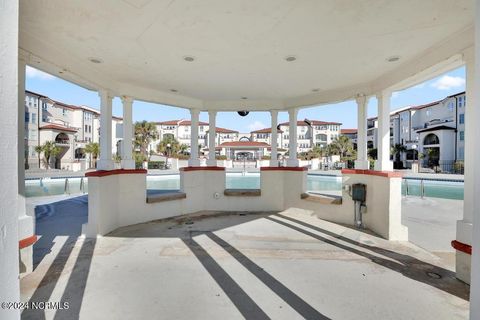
120,200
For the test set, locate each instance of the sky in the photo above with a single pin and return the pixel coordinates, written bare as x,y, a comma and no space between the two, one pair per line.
345,112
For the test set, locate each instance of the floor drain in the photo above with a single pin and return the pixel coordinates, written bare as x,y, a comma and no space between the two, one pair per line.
434,275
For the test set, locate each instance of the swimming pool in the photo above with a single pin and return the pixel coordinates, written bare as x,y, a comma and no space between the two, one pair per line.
315,182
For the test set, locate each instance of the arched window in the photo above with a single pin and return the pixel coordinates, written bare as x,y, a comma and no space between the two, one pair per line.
62,138
431,139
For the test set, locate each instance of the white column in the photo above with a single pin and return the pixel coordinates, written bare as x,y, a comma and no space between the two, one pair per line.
212,115
383,163
127,159
474,117
274,139
292,138
106,161
9,123
25,222
362,159
194,161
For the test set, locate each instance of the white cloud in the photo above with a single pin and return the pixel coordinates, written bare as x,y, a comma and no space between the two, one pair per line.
448,82
35,73
256,125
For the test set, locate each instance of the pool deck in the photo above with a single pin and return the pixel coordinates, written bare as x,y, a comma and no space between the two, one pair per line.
285,265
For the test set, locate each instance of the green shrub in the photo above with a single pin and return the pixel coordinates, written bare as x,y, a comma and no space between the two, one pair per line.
156,164
220,157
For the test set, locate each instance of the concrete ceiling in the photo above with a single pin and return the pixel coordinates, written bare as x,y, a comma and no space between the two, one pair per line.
341,47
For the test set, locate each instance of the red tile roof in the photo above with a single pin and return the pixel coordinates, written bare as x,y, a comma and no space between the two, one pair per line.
265,130
348,131
57,127
313,122
68,106
224,130
179,123
245,144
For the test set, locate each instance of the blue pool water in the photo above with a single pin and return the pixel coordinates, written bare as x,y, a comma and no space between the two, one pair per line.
318,183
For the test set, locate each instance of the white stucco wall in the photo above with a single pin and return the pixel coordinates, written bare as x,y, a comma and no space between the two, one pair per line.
9,267
120,200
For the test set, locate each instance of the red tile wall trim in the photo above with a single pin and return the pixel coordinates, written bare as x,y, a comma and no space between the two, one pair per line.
27,242
208,168
283,168
457,245
104,173
386,174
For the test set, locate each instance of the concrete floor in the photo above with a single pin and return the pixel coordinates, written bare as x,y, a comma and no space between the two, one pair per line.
232,266
432,224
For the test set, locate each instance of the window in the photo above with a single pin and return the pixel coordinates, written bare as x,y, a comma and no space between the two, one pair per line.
428,112
44,105
462,135
460,101
27,117
450,106
431,139
321,137
34,118
86,128
64,112
461,119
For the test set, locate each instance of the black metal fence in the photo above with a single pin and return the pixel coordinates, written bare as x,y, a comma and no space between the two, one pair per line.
443,166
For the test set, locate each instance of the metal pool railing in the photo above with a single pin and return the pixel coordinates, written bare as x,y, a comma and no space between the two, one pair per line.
430,187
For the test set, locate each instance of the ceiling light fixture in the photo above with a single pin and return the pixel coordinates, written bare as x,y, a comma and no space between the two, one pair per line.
95,60
315,90
393,59
189,58
173,90
290,58
244,98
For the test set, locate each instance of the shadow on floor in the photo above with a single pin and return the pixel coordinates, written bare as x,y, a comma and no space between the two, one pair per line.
62,218
406,265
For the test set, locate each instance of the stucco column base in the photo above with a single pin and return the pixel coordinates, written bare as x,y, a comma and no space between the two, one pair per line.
193,162
273,163
128,164
26,260
463,260
26,228
103,164
292,162
211,162
362,164
387,166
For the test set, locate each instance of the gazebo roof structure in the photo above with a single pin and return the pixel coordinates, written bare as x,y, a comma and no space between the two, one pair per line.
233,55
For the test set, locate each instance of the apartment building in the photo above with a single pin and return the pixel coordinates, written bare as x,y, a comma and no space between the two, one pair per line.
315,133
436,130
181,131
69,127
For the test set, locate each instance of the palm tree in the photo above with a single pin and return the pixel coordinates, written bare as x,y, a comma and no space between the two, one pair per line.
341,145
49,150
39,150
145,132
170,145
93,148
397,150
